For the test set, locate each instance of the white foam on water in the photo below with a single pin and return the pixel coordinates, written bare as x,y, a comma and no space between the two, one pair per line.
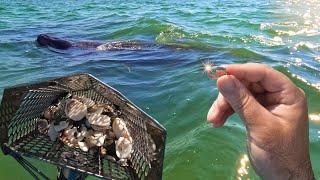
308,45
315,117
275,41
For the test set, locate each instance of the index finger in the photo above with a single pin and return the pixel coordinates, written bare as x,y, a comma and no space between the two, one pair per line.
270,79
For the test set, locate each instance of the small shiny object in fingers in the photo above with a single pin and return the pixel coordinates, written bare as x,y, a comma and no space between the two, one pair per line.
213,71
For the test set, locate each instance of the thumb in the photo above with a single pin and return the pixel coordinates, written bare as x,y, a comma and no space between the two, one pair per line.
241,100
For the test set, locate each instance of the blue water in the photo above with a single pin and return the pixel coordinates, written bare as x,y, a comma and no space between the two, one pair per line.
168,83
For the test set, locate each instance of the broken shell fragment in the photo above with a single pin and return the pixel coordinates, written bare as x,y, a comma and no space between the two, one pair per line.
123,148
103,151
50,112
75,109
69,132
95,139
122,162
42,126
83,146
83,131
71,137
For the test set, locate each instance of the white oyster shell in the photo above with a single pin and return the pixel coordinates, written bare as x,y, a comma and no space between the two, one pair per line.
123,148
98,121
50,112
119,128
75,109
83,146
95,139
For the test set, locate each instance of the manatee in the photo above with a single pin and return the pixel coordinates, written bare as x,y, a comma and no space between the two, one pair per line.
57,43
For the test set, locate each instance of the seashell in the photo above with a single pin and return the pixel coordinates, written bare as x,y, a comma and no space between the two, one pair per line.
123,148
42,126
66,141
103,151
76,153
95,139
151,143
83,131
101,141
122,162
120,129
79,136
97,134
87,101
97,108
71,137
69,132
66,155
99,122
50,112
75,109
109,108
105,107
83,146
53,134
61,126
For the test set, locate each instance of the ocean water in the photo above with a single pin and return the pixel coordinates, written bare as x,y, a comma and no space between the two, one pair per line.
168,83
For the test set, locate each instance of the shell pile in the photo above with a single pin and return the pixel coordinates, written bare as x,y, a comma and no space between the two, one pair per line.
80,122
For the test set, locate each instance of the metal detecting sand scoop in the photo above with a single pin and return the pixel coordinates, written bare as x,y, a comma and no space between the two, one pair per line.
121,143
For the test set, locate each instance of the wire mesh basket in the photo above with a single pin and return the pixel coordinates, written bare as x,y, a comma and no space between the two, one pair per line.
21,109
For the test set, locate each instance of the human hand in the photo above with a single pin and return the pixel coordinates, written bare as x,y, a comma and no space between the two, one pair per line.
275,115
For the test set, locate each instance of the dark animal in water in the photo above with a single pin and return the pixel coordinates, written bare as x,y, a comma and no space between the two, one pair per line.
54,42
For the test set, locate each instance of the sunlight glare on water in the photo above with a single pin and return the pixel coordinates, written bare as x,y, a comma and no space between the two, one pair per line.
167,79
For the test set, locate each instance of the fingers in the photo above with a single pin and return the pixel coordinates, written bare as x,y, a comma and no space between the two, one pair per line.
242,101
219,111
269,79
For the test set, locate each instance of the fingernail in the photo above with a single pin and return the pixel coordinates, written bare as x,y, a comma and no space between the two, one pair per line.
228,86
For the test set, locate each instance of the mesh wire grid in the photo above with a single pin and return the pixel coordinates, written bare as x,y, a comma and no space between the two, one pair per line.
22,106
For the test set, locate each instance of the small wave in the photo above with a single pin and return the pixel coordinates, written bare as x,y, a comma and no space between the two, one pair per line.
297,61
306,45
304,31
275,41
290,24
291,28
314,85
315,117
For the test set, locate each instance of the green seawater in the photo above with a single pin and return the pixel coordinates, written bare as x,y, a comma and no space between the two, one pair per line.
168,83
